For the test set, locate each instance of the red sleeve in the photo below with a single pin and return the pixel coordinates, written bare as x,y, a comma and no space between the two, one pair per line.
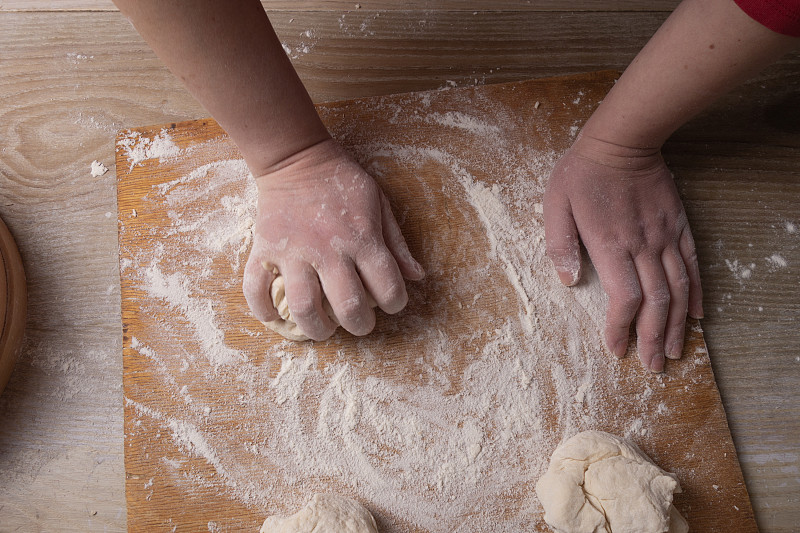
782,16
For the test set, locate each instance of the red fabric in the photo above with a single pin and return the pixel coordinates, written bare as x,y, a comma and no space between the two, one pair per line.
782,16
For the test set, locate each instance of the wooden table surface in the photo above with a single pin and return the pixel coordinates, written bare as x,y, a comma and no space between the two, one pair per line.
73,72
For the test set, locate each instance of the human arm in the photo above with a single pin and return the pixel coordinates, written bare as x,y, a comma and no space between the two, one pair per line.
322,220
612,190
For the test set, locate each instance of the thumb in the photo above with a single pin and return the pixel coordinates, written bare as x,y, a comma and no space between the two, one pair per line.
563,243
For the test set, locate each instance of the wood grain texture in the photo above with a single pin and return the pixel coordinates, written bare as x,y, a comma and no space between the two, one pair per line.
480,129
380,5
70,80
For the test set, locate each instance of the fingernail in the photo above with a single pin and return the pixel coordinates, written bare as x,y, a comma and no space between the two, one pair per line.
567,277
657,364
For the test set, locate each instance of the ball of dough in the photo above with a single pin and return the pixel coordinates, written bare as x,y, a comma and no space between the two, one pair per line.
601,483
285,324
324,513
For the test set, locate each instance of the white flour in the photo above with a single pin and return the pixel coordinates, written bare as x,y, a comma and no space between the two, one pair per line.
447,435
97,169
138,148
740,272
457,119
777,261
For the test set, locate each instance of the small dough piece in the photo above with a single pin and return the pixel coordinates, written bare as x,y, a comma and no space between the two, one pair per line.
324,513
285,325
601,483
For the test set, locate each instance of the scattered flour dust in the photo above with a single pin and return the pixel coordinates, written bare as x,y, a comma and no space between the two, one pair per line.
776,261
308,40
139,148
457,119
740,271
448,437
176,291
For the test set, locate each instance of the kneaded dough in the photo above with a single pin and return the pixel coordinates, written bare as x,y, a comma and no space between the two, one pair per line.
285,325
601,483
324,513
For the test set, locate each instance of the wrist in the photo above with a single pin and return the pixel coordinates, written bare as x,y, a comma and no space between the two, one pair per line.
300,163
267,149
605,151
616,122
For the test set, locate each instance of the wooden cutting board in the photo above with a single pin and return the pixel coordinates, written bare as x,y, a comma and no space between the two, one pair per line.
445,416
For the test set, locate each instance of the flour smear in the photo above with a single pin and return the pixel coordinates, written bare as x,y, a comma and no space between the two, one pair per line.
444,417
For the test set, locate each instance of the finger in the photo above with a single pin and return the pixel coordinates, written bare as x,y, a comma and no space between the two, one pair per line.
619,279
562,242
348,298
689,255
396,243
304,296
381,277
652,317
678,282
258,276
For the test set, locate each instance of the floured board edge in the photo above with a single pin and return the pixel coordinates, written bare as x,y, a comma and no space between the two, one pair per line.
183,466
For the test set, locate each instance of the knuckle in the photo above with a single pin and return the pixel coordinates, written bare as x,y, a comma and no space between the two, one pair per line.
351,308
395,292
682,285
303,308
675,328
557,253
651,338
395,297
659,296
691,259
629,299
373,254
564,259
365,229
563,243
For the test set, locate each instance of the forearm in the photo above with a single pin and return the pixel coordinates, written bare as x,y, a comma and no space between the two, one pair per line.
705,48
229,58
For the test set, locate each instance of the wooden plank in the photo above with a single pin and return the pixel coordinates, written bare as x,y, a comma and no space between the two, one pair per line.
428,49
431,152
379,5
63,96
367,55
750,325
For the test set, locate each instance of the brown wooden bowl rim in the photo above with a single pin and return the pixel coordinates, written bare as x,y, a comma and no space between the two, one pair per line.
14,312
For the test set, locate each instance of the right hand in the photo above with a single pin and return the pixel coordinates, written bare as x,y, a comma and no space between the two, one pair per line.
326,226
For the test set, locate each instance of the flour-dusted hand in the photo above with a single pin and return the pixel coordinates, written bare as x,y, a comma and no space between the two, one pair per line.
624,206
322,221
327,227
613,191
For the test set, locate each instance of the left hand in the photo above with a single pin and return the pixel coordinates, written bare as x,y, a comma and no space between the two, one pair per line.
624,206
327,227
